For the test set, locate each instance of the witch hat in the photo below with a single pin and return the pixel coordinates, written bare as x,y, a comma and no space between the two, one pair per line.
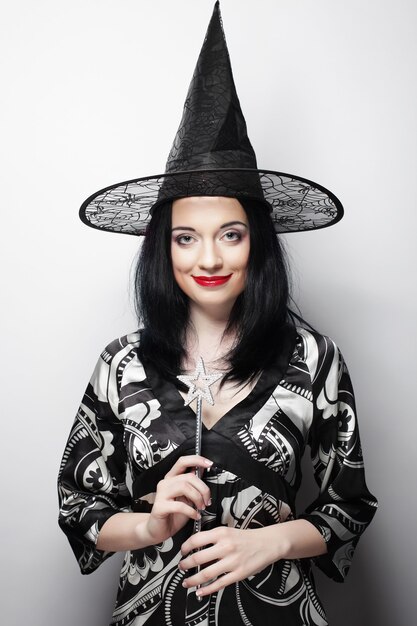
212,156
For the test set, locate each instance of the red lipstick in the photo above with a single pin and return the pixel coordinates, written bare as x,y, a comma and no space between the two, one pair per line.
211,281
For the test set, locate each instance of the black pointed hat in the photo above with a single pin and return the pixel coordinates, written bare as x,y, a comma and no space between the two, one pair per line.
212,156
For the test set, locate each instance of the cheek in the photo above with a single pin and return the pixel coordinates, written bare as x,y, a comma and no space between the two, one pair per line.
180,279
182,263
240,258
177,259
242,279
240,265
245,265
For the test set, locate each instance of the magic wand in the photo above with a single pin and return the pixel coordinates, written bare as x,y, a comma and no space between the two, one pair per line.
199,392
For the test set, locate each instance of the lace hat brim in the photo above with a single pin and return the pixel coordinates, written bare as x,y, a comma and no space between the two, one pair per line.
296,204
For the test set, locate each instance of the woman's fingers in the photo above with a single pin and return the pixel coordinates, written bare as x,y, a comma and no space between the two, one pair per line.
177,506
207,575
220,583
180,495
177,489
203,539
166,508
186,485
239,553
220,564
189,461
201,557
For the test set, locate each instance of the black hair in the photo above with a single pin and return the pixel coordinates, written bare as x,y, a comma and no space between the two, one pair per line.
260,315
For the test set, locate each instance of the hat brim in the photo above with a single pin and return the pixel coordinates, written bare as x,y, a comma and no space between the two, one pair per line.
296,204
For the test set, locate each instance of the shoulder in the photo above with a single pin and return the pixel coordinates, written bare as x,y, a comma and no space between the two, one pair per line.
121,346
319,352
116,356
116,363
330,378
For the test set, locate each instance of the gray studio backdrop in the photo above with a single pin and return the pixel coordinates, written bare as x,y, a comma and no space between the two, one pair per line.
92,93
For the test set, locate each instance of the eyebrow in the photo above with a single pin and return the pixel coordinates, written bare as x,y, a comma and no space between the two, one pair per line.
222,226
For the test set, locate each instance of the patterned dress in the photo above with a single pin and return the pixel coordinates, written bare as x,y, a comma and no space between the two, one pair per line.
132,426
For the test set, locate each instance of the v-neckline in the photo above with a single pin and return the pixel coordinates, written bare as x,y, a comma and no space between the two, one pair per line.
225,414
172,402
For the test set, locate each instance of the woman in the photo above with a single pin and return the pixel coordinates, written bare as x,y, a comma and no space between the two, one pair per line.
211,282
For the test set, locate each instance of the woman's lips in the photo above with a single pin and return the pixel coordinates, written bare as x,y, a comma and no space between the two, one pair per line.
211,281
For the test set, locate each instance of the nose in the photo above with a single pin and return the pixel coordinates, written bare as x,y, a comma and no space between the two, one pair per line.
210,258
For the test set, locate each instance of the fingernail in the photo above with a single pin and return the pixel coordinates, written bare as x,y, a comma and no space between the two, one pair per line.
207,462
184,583
198,593
209,502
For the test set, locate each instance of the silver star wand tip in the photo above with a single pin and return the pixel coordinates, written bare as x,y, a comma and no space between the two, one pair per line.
207,380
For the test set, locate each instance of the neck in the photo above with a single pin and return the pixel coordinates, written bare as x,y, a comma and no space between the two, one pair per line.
206,335
208,321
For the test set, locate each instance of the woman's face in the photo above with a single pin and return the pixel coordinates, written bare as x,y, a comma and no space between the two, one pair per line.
210,249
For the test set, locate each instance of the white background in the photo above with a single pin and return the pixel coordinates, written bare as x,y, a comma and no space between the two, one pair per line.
92,94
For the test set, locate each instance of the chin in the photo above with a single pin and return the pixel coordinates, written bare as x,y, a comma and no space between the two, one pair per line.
212,301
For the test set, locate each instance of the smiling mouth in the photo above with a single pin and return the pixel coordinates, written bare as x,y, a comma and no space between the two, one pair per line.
211,281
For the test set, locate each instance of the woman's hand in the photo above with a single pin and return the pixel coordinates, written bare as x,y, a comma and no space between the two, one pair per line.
232,554
176,496
227,555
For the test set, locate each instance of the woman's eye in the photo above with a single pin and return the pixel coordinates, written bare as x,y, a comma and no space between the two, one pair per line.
184,239
232,235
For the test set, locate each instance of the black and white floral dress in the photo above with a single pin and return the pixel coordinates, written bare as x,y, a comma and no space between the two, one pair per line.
132,426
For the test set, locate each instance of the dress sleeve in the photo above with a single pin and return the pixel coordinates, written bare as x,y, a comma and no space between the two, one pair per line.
92,476
344,506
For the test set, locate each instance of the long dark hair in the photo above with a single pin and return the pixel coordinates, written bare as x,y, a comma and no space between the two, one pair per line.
259,316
